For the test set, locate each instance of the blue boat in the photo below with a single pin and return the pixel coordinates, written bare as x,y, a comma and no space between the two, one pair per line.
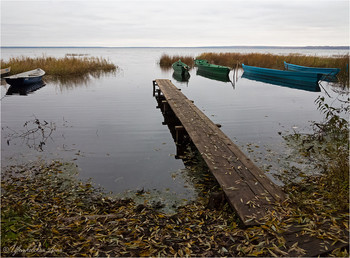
282,74
324,71
30,77
299,85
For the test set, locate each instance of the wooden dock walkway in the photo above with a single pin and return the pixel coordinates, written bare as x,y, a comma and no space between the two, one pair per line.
246,187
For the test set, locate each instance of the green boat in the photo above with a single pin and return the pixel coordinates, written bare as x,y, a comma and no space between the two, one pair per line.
180,67
204,65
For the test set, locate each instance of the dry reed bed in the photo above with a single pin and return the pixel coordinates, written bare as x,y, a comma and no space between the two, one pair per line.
166,61
67,66
267,60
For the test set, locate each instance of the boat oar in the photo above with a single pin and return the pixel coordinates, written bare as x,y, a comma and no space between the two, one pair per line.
319,83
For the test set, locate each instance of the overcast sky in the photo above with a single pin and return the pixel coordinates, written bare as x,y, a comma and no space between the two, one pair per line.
175,23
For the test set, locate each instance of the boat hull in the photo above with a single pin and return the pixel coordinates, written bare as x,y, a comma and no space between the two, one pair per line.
180,67
23,81
282,74
324,71
204,65
181,77
30,77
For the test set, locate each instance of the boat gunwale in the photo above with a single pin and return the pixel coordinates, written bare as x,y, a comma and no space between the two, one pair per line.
207,64
28,74
301,68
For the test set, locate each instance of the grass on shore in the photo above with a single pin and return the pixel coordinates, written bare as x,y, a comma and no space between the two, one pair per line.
69,66
267,60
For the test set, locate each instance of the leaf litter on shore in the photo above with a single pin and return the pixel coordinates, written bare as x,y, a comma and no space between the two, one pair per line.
45,206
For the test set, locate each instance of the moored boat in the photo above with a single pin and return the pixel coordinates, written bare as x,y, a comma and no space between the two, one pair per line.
204,65
324,71
25,78
180,67
5,71
288,75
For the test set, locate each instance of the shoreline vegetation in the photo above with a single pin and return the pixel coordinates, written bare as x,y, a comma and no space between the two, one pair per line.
234,60
70,67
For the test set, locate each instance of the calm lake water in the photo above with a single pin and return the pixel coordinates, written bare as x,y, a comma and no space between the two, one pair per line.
110,127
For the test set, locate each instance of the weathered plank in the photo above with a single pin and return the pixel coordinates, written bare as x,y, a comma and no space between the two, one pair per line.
246,187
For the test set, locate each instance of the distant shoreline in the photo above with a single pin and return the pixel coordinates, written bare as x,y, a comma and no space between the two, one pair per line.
233,47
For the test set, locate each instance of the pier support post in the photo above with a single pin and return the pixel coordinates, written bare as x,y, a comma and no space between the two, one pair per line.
179,139
165,106
179,134
154,88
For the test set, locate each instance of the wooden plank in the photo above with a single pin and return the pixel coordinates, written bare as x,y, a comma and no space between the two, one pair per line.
257,173
246,187
311,245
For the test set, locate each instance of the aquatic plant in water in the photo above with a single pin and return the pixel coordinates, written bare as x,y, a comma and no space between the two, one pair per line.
328,149
35,133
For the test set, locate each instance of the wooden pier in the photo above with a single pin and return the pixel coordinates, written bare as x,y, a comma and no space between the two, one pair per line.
248,190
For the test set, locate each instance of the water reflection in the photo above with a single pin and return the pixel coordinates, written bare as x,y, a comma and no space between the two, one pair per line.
24,90
214,76
307,86
181,77
73,81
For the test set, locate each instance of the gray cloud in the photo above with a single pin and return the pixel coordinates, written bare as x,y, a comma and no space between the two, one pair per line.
174,23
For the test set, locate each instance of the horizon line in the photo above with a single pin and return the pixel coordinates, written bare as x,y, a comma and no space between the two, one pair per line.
238,46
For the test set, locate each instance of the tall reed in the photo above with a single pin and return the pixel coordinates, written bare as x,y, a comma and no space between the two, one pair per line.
166,61
276,61
67,66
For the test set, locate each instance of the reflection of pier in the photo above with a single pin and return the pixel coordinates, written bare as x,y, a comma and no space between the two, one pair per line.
246,187
249,192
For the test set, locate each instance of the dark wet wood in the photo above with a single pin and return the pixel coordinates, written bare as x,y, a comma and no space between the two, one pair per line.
248,190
